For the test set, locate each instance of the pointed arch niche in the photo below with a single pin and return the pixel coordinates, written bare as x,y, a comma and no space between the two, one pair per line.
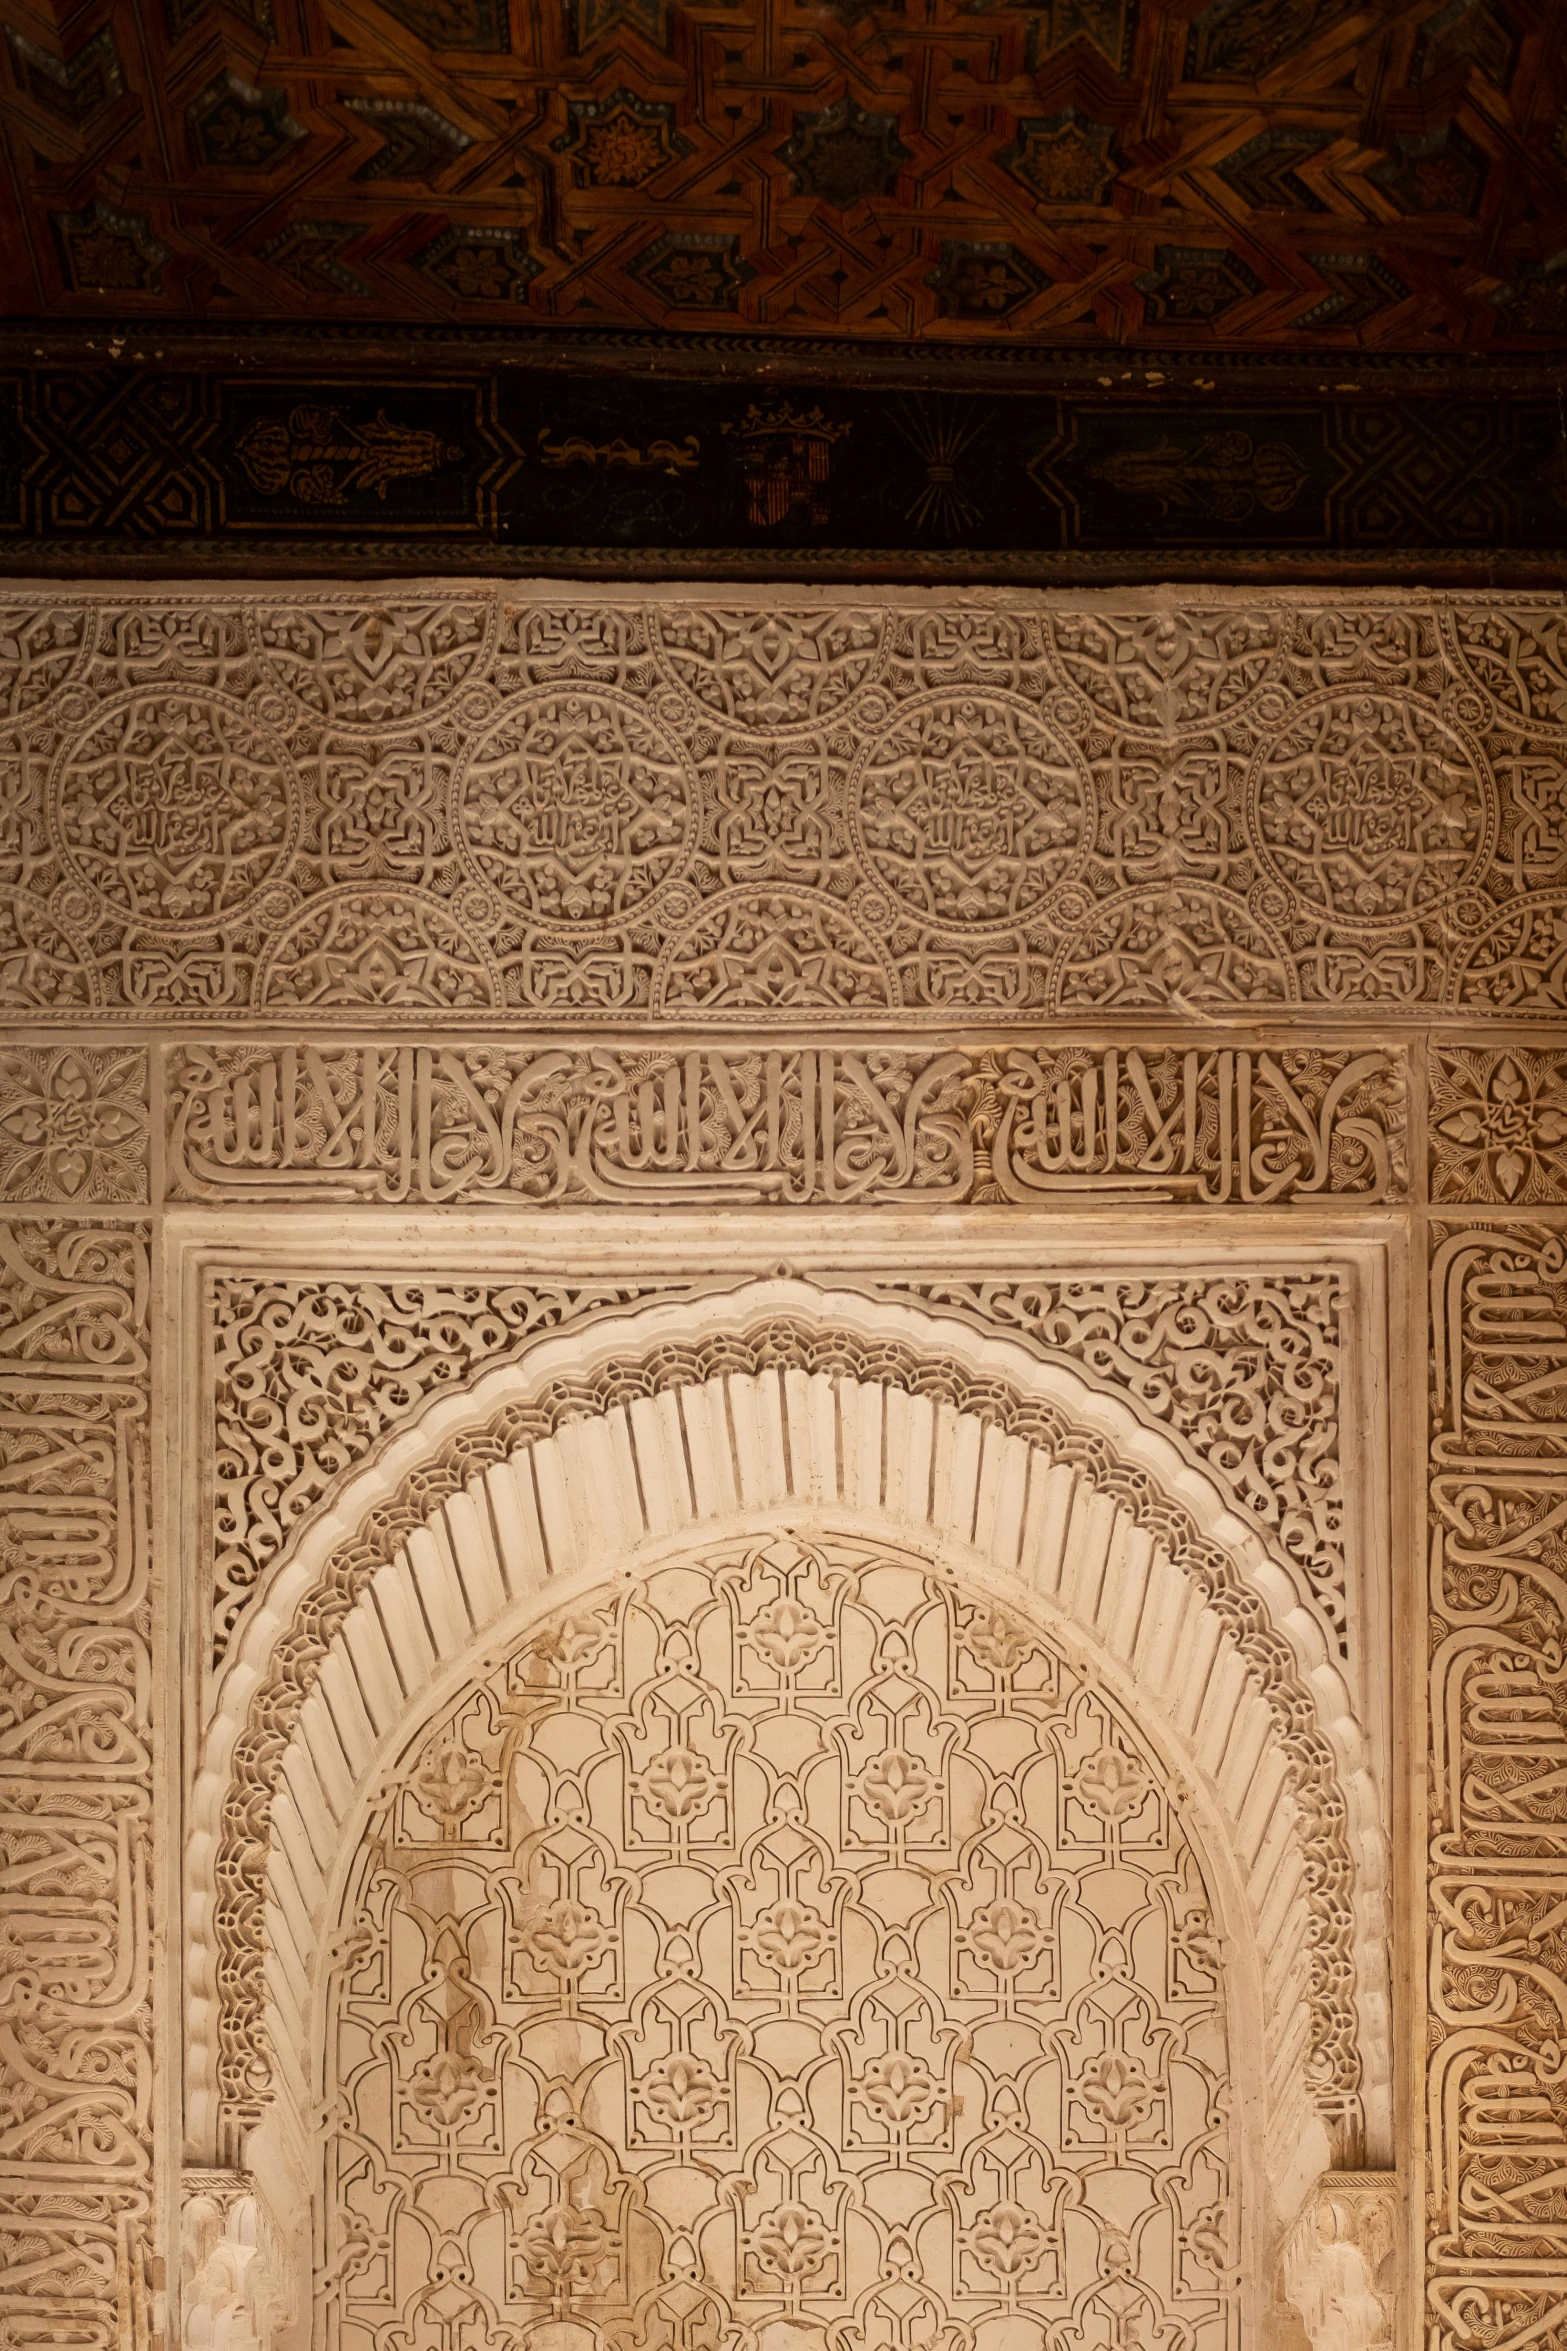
785,1811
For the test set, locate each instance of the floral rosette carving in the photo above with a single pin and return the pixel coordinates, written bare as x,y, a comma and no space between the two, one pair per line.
1498,1125
73,1124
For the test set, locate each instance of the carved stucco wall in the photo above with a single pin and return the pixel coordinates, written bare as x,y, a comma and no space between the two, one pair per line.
397,992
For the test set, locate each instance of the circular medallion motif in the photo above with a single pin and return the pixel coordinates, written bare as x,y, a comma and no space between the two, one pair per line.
575,807
769,672
388,950
970,811
1172,950
175,808
1371,808
373,665
772,951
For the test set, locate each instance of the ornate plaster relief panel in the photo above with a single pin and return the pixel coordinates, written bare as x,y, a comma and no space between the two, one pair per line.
793,1398
462,801
433,1025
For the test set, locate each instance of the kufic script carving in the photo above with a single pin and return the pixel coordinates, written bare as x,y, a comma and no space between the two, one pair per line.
1496,2253
77,2105
770,1125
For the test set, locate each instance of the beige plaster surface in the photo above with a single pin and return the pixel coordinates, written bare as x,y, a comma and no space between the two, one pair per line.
782,1464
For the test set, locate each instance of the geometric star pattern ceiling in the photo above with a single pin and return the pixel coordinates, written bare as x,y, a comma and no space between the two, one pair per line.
1306,174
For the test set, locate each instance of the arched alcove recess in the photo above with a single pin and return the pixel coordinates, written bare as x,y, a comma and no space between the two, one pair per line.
768,1933
786,1402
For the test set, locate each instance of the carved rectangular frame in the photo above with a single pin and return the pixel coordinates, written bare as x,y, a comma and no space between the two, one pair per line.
1364,1252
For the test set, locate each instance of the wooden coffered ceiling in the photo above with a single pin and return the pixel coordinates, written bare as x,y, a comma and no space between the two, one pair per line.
1238,175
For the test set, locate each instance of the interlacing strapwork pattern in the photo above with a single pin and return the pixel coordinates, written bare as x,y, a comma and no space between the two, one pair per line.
1132,179
1497,2262
787,1941
449,804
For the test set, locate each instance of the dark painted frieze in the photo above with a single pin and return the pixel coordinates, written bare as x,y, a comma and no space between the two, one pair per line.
506,467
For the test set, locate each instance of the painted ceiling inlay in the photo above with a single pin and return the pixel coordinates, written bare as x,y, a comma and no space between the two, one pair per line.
1313,173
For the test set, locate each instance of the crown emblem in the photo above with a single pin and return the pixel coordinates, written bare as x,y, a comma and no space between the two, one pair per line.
784,455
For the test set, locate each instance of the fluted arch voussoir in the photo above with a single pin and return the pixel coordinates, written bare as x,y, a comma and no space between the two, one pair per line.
607,1447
